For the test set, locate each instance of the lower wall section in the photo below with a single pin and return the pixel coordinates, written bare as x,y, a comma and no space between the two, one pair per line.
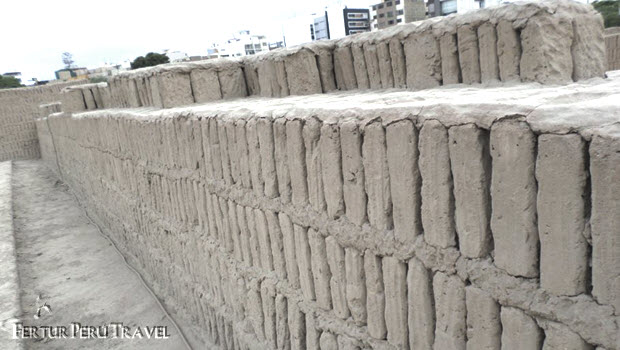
340,228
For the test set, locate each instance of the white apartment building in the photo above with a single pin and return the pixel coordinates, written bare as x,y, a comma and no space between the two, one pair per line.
242,44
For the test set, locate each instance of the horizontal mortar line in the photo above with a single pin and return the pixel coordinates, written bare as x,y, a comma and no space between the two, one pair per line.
534,293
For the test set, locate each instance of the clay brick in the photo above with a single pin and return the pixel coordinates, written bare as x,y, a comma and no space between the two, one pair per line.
399,67
605,220
302,73
353,172
385,65
359,65
405,181
254,157
375,296
421,312
320,269
355,285
331,166
297,326
282,170
559,336
547,58
469,56
508,50
470,161
343,66
175,89
264,130
561,175
519,331
395,281
487,47
205,85
328,341
451,312
377,179
423,60
450,68
288,241
336,261
304,262
264,241
484,328
513,197
437,196
296,156
277,246
312,134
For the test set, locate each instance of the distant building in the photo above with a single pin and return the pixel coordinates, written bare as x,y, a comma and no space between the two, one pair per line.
105,71
66,74
356,20
242,44
337,23
13,74
447,7
394,12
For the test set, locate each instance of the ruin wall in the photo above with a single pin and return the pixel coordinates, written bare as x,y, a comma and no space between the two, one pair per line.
18,109
612,48
478,218
549,42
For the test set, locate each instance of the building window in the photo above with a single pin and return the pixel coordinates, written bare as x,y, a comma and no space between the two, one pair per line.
400,12
388,4
390,14
381,15
374,17
374,7
390,22
399,20
357,24
380,6
397,2
356,15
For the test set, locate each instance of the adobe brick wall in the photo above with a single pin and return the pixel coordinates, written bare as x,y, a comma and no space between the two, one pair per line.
612,48
444,218
549,42
18,109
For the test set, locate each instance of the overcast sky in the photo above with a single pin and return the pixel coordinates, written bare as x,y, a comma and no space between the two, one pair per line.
36,33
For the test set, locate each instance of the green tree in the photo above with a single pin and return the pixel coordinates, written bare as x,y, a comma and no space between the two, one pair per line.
610,10
7,82
151,59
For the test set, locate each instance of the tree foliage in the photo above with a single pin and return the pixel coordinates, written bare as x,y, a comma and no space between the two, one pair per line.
151,59
610,9
7,82
67,59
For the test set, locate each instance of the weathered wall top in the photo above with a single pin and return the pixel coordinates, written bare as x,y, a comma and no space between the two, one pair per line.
549,42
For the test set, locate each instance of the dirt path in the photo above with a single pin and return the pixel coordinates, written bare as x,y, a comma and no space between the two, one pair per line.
62,258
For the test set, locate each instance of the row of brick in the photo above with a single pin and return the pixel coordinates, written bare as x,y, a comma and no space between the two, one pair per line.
401,302
546,42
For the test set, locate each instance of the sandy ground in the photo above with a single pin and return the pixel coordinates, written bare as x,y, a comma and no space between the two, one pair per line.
63,260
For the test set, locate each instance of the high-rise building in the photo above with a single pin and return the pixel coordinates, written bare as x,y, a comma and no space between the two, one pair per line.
393,12
356,20
336,23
